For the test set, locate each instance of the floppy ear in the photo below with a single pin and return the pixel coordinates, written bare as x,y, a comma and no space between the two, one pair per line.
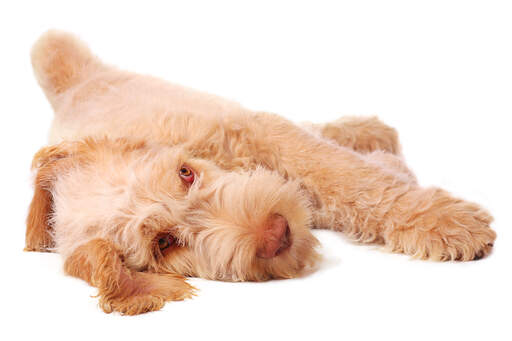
38,234
46,162
120,289
56,159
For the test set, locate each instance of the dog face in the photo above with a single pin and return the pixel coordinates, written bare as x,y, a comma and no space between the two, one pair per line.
237,226
169,212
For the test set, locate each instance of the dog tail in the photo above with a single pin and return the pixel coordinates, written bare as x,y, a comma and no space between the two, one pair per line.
60,62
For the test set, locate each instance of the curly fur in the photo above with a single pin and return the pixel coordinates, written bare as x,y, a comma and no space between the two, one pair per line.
107,188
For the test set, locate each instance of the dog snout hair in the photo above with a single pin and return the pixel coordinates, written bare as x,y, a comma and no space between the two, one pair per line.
258,213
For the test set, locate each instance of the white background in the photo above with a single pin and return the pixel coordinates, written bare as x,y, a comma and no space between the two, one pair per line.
438,71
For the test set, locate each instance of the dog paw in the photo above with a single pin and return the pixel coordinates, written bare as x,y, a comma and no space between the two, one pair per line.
146,292
363,134
444,228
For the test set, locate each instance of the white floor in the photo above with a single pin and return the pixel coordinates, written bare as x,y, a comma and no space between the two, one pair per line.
439,72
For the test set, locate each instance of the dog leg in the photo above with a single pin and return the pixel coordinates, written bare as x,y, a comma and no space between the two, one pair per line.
371,202
128,292
362,134
61,62
391,163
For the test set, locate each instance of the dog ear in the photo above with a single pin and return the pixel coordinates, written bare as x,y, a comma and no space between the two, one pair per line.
50,161
46,163
53,153
38,234
120,289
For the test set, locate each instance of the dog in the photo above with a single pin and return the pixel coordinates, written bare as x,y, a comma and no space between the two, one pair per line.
145,183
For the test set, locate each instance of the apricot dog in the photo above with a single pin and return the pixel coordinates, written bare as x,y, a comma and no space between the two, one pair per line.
146,182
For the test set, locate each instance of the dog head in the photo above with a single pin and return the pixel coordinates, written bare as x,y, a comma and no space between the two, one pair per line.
169,212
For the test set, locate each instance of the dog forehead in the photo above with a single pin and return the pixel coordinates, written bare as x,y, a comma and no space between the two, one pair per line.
169,152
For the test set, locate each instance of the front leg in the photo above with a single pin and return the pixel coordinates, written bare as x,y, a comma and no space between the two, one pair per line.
120,289
362,134
372,203
430,223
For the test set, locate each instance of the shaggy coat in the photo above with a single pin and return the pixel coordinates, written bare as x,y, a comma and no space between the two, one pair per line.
146,182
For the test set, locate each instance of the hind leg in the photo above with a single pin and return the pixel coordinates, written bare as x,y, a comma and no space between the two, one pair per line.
362,134
60,62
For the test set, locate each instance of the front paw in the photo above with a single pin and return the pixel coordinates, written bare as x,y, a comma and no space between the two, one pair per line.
440,227
363,134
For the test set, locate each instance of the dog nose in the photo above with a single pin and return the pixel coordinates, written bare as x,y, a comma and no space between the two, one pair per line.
275,237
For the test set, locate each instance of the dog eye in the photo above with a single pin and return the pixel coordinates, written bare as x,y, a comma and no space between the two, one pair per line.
187,174
165,242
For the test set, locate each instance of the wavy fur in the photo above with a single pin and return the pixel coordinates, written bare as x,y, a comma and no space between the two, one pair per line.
108,188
